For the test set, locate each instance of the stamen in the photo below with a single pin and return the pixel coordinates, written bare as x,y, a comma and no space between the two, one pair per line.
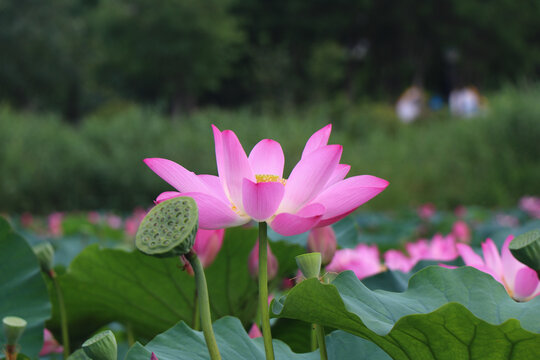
269,178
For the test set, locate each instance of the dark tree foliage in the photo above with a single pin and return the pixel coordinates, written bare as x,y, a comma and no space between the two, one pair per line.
75,56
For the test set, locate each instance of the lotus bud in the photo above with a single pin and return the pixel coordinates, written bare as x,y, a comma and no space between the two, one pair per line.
207,245
169,229
101,346
153,357
461,231
323,240
526,249
253,262
13,328
45,254
309,264
254,332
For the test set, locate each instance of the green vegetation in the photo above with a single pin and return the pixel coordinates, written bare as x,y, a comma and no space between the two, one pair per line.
491,160
74,56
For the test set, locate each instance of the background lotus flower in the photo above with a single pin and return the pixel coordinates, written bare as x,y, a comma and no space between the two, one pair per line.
207,245
50,345
461,231
520,281
531,205
323,240
363,260
253,262
316,192
396,260
55,223
440,248
426,211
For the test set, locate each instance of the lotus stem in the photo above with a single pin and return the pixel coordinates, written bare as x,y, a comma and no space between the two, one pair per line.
313,333
204,305
196,324
319,329
63,314
263,291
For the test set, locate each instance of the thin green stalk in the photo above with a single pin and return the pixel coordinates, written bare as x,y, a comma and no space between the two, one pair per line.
196,324
204,305
319,329
313,337
63,315
263,292
130,335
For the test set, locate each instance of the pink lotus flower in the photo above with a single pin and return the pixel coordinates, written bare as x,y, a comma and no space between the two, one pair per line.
461,231
396,260
363,260
207,245
50,345
153,357
27,219
315,193
531,205
55,223
440,248
114,221
520,281
323,240
255,332
253,262
426,211
94,217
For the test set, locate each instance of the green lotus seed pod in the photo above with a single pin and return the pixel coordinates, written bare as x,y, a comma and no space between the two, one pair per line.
309,264
79,354
101,346
45,255
169,229
13,328
526,248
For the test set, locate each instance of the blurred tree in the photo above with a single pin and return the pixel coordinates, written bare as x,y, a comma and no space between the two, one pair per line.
39,67
172,49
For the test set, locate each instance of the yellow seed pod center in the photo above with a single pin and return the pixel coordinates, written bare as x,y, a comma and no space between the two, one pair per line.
263,178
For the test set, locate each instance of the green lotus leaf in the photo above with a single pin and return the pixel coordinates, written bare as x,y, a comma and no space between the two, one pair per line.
23,291
444,314
183,343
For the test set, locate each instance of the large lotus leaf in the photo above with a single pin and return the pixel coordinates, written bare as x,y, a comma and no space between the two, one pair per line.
152,294
23,291
444,314
183,343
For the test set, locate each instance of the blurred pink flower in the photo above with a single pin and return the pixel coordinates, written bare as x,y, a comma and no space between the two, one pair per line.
153,357
507,220
207,245
520,281
461,231
94,217
531,205
253,187
460,211
27,219
323,240
50,345
55,223
396,260
114,221
253,262
363,260
440,248
132,223
426,211
255,332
